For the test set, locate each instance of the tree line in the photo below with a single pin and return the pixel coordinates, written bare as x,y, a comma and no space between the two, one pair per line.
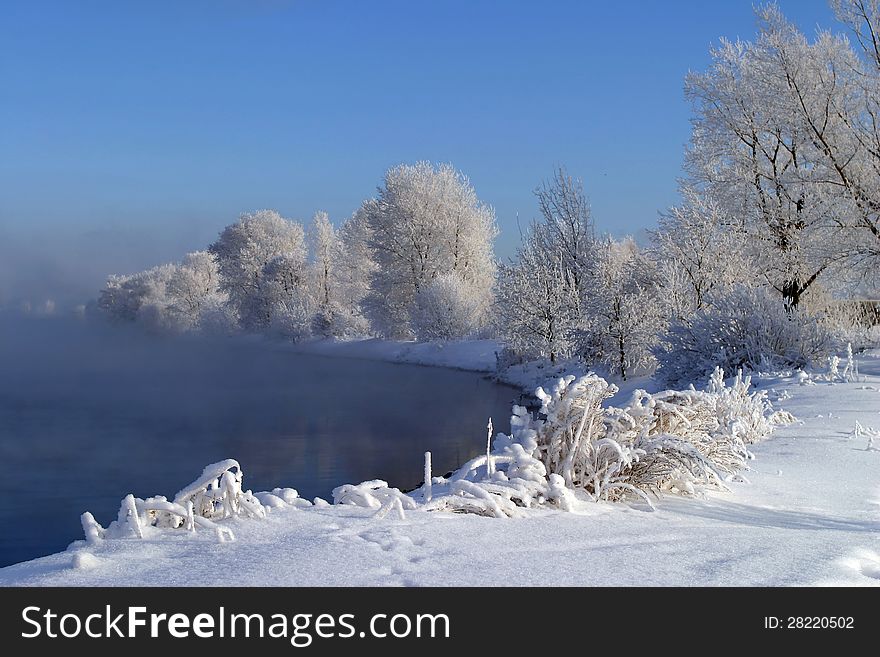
779,216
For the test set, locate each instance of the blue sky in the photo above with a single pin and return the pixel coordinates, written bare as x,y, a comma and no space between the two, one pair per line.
133,131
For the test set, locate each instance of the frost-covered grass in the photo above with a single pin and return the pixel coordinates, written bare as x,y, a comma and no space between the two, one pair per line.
809,513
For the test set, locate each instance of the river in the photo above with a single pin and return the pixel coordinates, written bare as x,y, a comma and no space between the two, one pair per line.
89,413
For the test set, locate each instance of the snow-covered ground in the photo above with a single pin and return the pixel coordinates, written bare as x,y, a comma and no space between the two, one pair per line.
809,515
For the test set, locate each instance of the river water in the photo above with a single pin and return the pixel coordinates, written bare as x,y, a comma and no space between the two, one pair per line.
89,413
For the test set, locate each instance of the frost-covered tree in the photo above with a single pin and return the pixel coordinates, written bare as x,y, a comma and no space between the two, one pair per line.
566,228
425,221
170,297
752,152
284,297
540,292
193,288
352,275
121,297
245,249
698,248
536,303
324,250
787,137
621,311
447,309
848,144
323,244
141,297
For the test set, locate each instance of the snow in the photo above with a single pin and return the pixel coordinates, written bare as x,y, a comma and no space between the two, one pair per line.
809,515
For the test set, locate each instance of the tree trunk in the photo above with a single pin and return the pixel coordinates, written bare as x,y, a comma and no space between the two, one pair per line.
791,294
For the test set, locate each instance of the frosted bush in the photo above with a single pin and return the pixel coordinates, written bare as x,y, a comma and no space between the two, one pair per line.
218,493
853,321
744,328
218,318
506,358
339,322
608,453
291,318
373,494
572,441
448,308
674,441
517,481
215,495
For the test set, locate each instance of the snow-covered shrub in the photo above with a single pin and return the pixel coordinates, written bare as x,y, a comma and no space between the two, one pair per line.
570,439
840,369
448,309
745,328
292,319
676,432
610,452
373,494
507,357
518,480
216,494
502,483
672,441
218,318
740,410
668,463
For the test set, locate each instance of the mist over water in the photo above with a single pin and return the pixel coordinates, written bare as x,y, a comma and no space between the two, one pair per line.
90,412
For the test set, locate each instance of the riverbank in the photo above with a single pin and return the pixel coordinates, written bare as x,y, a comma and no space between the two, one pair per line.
468,355
809,514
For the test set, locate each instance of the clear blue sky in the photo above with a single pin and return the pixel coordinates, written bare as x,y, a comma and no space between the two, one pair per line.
131,132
